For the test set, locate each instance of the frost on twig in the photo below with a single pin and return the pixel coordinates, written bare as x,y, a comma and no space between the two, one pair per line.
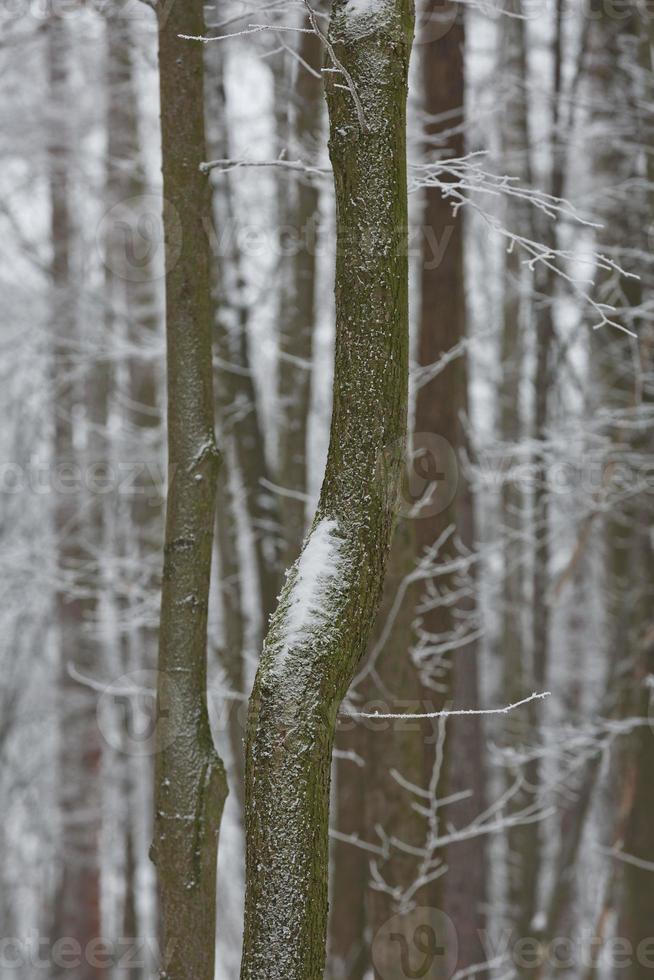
449,713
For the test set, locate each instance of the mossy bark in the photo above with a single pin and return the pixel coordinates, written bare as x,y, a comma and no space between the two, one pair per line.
190,785
304,674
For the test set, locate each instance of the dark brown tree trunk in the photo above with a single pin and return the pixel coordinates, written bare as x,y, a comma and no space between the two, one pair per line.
450,625
190,784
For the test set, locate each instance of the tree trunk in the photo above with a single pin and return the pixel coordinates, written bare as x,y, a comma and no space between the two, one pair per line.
404,748
190,784
298,317
320,629
239,414
78,914
638,900
449,623
348,954
517,674
132,313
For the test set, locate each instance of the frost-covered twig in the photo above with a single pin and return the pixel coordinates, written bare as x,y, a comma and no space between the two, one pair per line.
449,713
295,165
339,66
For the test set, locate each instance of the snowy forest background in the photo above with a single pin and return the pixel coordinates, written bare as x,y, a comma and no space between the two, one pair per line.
522,561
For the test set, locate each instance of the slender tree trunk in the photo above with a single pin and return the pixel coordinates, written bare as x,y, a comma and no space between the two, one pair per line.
517,674
299,315
238,422
232,653
450,623
348,954
396,748
190,784
78,914
326,611
638,899
623,380
239,413
132,312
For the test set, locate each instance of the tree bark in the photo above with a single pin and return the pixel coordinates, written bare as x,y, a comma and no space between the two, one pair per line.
326,611
190,784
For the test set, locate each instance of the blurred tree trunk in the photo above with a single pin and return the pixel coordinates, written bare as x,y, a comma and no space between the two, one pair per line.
348,955
396,749
298,315
545,290
627,387
326,611
638,900
239,414
239,421
449,622
133,315
517,674
625,384
190,784
78,907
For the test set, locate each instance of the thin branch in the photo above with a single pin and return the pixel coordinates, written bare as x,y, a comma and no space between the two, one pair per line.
337,64
451,713
227,165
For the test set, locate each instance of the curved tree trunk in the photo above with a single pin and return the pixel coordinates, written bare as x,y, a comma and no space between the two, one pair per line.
190,785
326,610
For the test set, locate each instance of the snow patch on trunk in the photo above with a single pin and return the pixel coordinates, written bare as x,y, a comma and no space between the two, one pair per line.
361,17
308,603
